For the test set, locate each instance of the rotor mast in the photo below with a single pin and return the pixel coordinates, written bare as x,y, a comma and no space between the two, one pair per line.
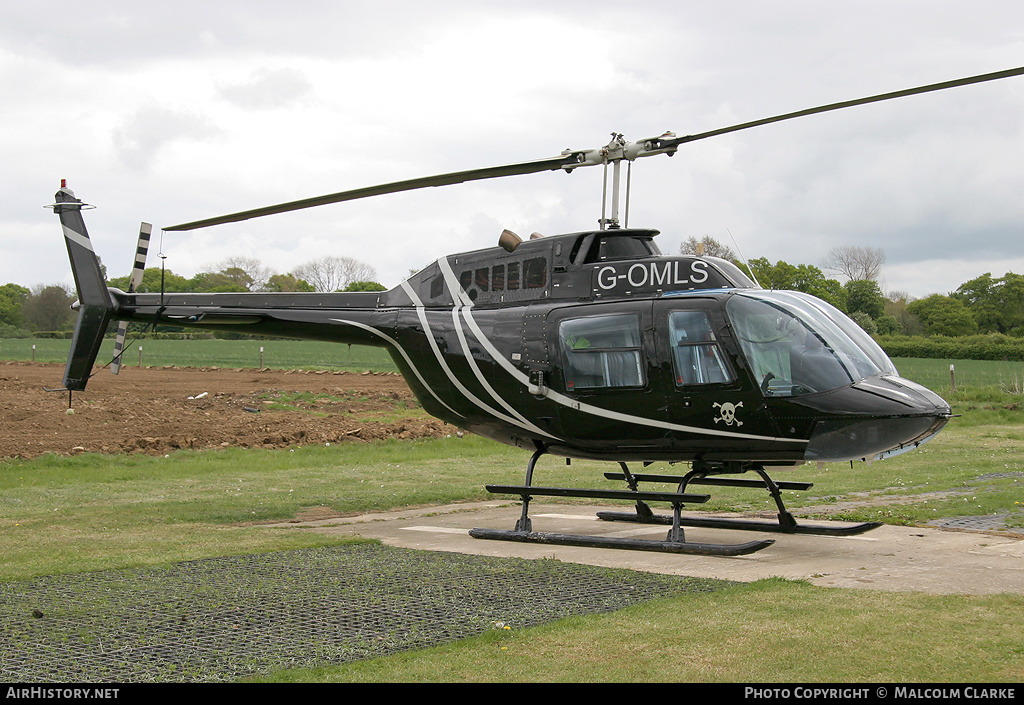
614,153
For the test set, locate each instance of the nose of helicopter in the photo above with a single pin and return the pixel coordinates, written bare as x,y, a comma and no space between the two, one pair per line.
877,418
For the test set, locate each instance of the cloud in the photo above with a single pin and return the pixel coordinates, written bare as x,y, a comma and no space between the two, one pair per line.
268,88
150,129
232,105
114,33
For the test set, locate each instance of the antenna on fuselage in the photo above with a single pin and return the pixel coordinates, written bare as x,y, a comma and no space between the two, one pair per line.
738,250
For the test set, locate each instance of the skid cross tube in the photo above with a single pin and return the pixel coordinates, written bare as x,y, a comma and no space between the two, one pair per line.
675,542
698,476
634,484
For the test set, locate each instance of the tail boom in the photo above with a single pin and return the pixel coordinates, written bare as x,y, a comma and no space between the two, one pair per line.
349,317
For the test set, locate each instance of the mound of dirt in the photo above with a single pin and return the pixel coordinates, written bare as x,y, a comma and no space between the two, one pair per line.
157,410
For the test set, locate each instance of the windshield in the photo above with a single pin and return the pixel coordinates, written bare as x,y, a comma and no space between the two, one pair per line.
798,344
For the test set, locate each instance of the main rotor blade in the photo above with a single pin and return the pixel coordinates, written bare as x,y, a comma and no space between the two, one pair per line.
457,177
569,160
846,104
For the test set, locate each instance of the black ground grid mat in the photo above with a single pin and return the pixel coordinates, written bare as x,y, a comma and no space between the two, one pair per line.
221,619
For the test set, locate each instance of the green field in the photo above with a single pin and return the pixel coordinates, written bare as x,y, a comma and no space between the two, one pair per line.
277,353
935,374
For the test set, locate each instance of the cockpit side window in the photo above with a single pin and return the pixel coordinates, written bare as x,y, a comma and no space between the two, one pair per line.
601,352
696,356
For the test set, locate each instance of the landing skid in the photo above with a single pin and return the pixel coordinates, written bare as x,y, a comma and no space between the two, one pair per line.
744,524
699,476
675,542
703,549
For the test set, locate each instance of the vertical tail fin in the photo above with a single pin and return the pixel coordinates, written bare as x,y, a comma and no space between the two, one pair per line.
95,306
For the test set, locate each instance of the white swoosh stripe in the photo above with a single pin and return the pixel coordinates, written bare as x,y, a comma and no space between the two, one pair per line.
77,238
421,313
483,380
398,347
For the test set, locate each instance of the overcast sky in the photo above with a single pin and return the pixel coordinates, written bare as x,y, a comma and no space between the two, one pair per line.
171,112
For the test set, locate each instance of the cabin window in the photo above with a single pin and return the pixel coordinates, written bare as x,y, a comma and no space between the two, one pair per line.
436,286
535,273
696,356
601,351
498,277
512,283
465,280
483,279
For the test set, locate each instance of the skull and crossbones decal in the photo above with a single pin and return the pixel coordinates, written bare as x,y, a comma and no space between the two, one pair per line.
728,413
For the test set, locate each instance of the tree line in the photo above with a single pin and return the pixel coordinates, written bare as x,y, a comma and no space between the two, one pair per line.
983,305
46,309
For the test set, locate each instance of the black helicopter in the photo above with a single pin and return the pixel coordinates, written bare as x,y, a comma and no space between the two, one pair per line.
587,345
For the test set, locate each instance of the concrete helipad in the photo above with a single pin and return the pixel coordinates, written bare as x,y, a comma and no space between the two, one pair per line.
892,558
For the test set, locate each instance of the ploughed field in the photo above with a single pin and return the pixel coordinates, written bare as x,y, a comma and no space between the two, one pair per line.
159,410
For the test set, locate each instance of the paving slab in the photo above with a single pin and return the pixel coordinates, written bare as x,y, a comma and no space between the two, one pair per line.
892,558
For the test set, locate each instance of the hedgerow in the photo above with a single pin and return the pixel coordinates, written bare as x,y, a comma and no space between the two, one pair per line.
992,346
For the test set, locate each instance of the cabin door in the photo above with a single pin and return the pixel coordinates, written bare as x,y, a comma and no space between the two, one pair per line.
708,387
602,359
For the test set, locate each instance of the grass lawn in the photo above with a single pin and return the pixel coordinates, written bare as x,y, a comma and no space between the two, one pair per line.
769,631
90,512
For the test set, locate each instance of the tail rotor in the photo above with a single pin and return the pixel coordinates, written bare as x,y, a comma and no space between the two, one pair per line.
134,281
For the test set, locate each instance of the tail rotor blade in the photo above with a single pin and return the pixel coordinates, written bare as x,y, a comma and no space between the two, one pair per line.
122,333
134,281
145,232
